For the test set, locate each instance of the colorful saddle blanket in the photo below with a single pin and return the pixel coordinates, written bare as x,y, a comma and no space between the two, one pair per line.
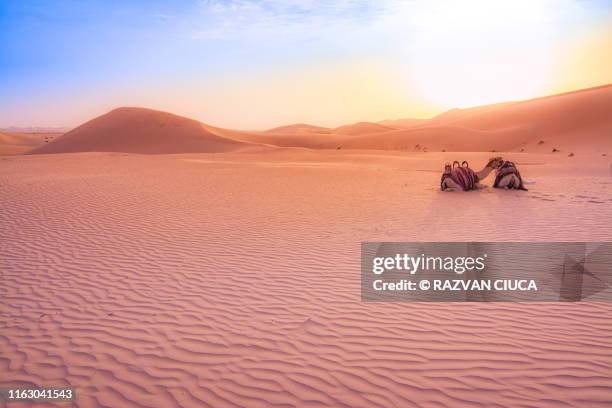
506,169
463,176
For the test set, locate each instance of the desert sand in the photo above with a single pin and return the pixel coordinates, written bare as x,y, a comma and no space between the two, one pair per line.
363,128
230,275
571,123
139,130
299,128
22,142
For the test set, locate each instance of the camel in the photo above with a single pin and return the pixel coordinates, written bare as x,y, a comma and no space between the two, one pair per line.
507,176
460,177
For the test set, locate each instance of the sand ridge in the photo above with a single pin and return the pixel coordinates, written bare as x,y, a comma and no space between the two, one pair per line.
233,280
299,128
571,123
21,142
165,262
363,128
577,121
140,130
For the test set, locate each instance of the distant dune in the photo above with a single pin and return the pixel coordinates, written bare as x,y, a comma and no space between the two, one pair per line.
139,130
299,128
578,121
457,113
435,138
362,128
311,137
575,121
17,143
402,123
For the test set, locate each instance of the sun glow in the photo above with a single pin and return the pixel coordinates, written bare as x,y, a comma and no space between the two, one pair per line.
478,52
254,64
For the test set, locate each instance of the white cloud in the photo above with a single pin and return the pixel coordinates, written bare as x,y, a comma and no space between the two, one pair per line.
248,19
278,20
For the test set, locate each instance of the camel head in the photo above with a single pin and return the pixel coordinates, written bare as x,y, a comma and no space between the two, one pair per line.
495,162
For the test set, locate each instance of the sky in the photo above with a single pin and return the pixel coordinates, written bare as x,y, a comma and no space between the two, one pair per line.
248,64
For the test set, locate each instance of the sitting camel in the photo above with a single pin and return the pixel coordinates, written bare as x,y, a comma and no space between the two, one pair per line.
508,176
461,178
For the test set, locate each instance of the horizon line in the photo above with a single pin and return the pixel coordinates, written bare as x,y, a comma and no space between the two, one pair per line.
69,128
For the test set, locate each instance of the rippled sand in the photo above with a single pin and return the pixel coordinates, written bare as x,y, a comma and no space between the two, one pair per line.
233,280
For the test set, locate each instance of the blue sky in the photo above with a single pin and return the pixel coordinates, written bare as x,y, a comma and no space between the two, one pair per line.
63,62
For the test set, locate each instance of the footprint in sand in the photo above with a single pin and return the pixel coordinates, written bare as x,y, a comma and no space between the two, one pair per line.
590,199
542,197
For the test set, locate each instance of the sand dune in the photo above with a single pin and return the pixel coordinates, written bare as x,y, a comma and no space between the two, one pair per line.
17,143
291,137
233,280
572,122
299,128
362,128
563,112
457,113
309,136
402,123
139,130
436,138
297,140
